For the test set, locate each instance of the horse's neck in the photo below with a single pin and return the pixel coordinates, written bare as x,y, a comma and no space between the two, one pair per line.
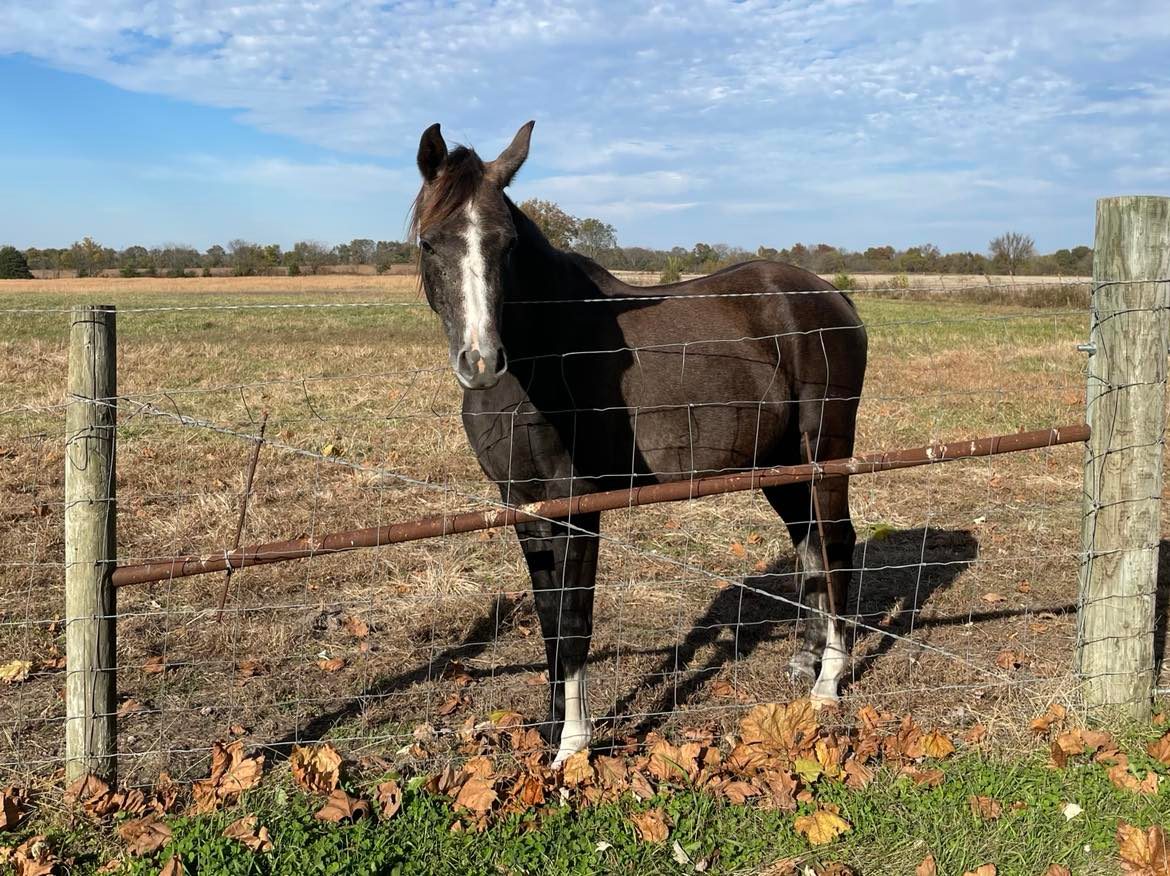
544,273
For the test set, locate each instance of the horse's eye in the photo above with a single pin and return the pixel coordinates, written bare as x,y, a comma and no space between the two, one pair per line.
426,246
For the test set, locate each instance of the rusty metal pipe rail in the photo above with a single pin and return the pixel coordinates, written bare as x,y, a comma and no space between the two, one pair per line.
612,500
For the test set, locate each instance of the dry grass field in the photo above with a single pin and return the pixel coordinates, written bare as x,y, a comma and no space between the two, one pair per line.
963,563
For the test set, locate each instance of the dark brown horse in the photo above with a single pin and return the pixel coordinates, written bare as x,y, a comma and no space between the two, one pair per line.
576,382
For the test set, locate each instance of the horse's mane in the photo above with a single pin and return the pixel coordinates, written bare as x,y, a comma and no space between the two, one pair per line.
461,175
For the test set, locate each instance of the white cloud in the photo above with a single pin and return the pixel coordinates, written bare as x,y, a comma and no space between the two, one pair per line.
651,106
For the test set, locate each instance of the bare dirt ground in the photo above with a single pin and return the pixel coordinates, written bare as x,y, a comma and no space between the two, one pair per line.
958,565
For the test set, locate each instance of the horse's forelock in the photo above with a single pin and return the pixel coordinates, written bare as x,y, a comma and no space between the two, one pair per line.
456,184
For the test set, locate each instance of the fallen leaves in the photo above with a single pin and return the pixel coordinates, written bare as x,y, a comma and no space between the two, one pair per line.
15,671
317,769
245,830
1143,852
342,807
651,825
985,808
389,798
231,774
13,807
822,826
145,836
926,867
33,857
1159,749
779,726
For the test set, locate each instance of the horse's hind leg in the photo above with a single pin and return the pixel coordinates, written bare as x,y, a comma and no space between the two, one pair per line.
792,503
825,591
563,565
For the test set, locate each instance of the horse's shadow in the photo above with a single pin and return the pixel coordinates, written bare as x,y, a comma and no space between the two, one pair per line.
897,575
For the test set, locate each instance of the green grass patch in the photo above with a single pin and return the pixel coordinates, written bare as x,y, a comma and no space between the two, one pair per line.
895,823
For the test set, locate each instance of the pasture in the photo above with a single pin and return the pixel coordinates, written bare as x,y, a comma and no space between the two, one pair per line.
966,584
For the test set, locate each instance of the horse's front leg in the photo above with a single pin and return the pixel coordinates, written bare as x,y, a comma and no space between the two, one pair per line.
562,561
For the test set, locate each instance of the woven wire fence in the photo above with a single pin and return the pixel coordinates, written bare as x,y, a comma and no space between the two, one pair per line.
962,607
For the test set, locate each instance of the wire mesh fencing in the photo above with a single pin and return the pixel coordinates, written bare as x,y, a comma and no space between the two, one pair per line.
962,609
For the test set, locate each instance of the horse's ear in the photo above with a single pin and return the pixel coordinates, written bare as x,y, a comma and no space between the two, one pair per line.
432,152
505,166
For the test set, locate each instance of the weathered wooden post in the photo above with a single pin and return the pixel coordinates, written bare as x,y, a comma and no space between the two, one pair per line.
1123,461
90,514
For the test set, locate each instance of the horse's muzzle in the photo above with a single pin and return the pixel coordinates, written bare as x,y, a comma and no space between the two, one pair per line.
480,369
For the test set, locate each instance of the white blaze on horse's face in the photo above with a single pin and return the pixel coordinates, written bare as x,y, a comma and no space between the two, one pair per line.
473,273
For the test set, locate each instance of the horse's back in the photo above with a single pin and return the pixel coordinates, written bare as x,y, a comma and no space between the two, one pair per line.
705,376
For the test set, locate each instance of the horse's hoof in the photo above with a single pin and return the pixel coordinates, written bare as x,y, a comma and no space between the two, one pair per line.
820,703
568,748
803,667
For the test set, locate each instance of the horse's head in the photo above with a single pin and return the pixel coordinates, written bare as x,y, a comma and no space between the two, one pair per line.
465,236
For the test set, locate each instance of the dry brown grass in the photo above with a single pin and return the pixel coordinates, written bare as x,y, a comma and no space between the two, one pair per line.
668,625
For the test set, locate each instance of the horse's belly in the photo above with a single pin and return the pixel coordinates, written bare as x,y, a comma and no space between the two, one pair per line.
710,438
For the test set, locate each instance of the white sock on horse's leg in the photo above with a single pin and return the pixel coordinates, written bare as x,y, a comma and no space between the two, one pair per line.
577,729
834,659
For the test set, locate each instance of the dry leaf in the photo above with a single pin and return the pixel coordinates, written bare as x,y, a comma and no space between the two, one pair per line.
155,665
937,746
577,770
984,807
450,705
926,867
779,726
823,826
231,774
1057,870
1043,724
476,795
33,857
1159,749
1009,659
333,664
739,791
249,668
15,671
1120,776
13,807
722,688
651,825
738,549
146,835
982,870
173,867
316,769
342,807
1142,852
389,799
356,627
245,831
994,598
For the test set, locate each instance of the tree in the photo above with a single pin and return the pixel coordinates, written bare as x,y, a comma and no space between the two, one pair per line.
13,264
594,238
215,257
245,257
1011,250
558,226
310,254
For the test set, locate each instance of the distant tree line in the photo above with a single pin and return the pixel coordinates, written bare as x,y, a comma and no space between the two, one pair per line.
242,257
1009,253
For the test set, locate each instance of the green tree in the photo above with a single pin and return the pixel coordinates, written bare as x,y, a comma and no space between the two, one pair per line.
595,238
558,226
13,264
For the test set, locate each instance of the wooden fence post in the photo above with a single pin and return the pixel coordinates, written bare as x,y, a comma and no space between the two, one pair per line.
1123,461
90,514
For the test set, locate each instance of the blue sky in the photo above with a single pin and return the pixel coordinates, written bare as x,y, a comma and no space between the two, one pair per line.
849,122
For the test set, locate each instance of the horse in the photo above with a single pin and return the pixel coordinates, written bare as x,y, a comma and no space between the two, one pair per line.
575,382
